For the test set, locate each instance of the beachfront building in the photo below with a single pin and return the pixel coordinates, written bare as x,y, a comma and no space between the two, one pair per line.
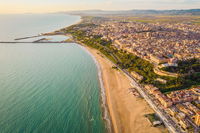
163,99
136,75
151,89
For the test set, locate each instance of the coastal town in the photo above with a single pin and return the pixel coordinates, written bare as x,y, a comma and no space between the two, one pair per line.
163,45
100,66
154,42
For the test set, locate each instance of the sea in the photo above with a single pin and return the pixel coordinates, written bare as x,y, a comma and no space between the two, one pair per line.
47,88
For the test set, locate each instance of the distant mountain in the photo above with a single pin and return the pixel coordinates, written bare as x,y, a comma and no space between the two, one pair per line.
170,12
138,12
90,12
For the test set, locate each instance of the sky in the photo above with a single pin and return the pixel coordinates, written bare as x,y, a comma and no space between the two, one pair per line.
45,6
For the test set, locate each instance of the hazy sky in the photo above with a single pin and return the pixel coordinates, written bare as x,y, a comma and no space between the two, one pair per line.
28,6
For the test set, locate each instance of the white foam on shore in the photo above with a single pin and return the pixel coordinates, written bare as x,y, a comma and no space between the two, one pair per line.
106,115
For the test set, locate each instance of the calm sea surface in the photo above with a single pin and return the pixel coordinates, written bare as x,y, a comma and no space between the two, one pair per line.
46,88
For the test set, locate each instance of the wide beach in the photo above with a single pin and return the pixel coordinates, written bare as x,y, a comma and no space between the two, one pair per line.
126,111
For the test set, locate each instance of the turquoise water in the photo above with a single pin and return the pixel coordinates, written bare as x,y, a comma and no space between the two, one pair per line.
48,88
23,25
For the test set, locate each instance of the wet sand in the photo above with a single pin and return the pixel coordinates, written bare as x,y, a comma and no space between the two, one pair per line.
126,111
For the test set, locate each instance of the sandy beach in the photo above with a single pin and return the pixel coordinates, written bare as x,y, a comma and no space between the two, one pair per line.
126,111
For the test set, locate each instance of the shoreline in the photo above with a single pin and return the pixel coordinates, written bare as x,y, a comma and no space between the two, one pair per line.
126,112
122,112
105,111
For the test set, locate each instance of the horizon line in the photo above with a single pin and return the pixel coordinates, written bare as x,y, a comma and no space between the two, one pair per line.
51,12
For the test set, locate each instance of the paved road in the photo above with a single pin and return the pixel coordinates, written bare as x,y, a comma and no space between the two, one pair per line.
169,123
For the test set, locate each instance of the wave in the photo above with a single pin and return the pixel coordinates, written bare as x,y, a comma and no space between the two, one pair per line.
106,115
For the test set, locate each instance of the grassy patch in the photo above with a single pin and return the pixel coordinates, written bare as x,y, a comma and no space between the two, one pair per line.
152,117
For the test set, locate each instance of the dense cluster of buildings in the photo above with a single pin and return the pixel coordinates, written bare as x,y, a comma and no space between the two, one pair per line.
155,42
163,45
183,96
162,98
182,105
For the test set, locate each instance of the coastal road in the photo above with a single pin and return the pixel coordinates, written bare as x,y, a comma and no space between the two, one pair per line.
166,121
169,123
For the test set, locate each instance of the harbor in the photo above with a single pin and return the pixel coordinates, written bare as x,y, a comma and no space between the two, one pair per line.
46,39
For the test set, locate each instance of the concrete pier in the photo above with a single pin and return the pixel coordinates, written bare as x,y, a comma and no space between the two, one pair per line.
23,38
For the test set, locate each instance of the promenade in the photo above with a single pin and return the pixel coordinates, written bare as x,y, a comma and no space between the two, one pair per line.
169,123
